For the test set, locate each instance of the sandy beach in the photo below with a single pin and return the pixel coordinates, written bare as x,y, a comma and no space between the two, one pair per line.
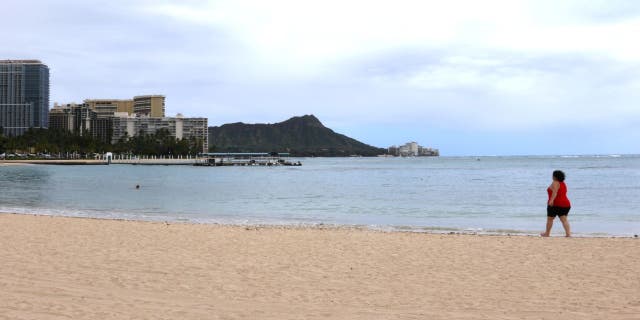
7,164
76,268
52,162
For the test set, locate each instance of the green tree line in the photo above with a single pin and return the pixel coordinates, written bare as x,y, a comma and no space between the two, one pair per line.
54,142
160,143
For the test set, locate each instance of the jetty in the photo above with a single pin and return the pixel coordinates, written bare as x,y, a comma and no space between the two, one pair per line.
218,159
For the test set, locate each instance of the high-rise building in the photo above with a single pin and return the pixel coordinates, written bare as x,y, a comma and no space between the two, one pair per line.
143,106
149,106
24,95
61,118
80,119
107,107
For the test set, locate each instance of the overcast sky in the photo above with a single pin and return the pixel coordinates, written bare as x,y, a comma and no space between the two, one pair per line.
469,77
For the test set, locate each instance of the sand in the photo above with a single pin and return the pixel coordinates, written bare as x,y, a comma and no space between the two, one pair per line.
53,162
74,268
8,164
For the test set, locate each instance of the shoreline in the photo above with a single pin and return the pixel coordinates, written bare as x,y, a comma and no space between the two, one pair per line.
88,268
7,164
67,162
335,226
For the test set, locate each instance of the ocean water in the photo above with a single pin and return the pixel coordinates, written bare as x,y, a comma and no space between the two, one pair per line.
469,194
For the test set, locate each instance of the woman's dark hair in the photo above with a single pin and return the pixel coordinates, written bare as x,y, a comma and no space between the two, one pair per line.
559,175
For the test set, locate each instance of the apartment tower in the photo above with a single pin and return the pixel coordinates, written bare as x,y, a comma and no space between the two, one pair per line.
24,96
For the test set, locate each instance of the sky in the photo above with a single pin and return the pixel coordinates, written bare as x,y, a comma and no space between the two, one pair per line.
470,77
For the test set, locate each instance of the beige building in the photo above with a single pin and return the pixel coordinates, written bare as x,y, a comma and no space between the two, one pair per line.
61,117
143,106
108,107
149,106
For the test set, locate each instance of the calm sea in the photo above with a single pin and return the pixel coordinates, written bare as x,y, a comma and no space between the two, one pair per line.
472,194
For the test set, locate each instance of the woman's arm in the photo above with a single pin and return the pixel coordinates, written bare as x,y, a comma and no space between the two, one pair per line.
554,192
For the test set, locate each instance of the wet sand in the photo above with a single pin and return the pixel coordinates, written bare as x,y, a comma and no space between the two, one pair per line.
76,268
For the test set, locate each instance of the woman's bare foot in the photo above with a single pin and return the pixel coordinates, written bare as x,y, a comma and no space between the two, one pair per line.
544,234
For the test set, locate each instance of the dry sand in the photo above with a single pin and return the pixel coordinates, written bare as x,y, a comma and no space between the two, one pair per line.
72,268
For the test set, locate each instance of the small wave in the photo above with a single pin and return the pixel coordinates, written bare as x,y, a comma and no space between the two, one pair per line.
257,222
453,230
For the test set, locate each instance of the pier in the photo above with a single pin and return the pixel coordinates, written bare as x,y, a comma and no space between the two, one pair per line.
218,159
158,162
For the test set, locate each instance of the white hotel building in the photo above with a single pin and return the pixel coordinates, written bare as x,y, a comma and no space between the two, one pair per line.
178,127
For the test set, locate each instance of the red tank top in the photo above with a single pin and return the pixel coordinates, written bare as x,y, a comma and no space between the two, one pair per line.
561,198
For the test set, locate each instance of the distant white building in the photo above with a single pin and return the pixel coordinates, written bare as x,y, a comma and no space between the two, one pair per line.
413,149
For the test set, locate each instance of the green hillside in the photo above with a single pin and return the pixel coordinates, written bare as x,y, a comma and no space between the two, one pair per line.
301,136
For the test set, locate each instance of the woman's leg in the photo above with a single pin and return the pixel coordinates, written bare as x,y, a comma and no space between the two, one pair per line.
565,224
549,226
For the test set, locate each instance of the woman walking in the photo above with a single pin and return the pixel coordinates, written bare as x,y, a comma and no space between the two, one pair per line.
558,204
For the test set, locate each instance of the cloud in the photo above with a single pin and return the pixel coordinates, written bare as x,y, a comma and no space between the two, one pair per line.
498,89
490,67
311,33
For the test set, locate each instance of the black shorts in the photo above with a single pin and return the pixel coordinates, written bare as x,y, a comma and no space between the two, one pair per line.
557,211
